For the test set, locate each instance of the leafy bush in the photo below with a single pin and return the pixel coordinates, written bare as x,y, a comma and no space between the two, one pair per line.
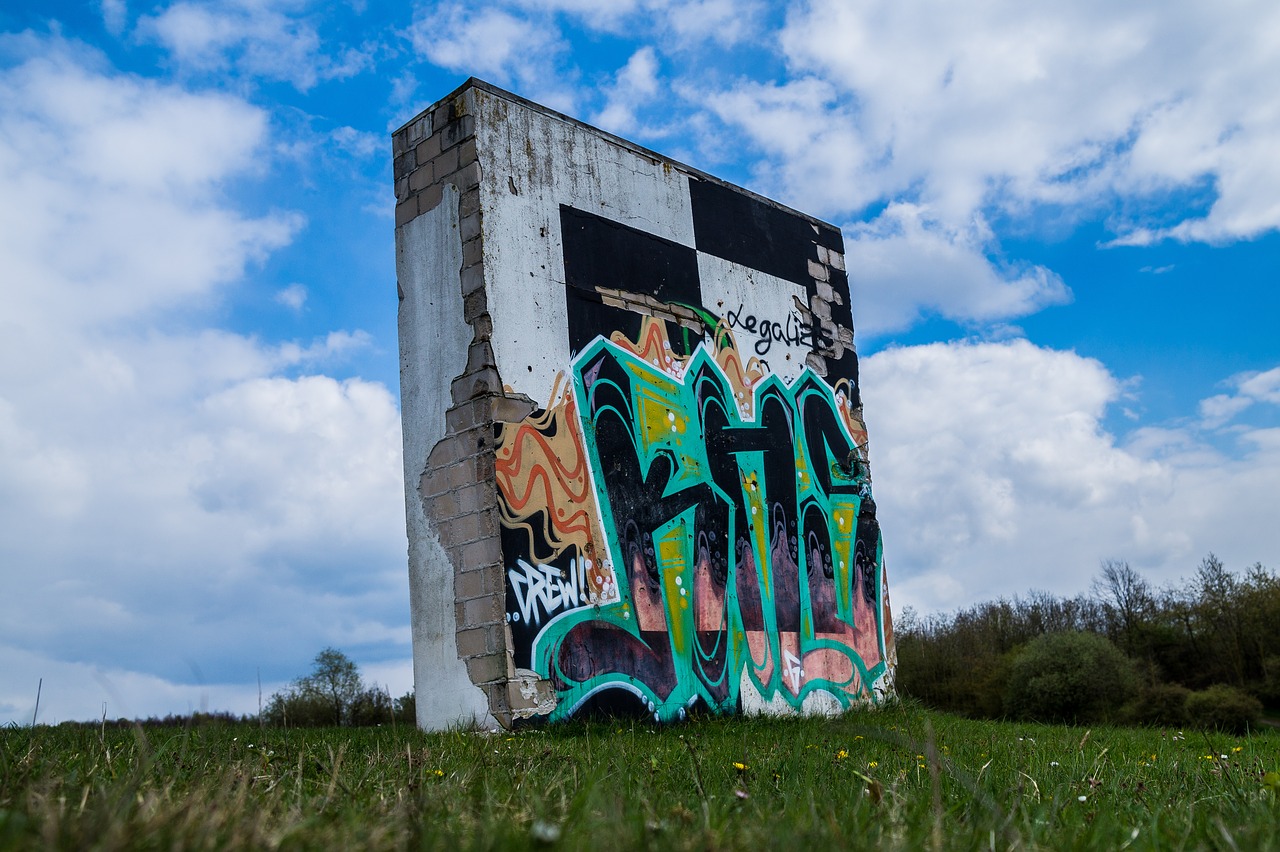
1163,704
371,707
1267,688
406,707
1223,708
1075,677
296,708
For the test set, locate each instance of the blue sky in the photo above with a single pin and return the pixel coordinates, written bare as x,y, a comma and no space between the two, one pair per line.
1061,228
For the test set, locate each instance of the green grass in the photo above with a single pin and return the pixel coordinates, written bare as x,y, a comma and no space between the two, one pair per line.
901,778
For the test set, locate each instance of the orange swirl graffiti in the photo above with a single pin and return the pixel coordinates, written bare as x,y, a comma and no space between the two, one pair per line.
742,377
541,469
654,347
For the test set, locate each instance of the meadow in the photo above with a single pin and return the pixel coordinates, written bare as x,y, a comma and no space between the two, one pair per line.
897,778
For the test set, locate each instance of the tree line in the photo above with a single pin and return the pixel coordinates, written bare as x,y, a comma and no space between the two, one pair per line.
332,694
1126,651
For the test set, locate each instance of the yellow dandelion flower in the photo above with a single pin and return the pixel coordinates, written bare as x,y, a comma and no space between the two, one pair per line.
841,754
741,767
873,764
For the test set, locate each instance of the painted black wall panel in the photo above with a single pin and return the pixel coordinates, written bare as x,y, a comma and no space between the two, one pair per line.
599,252
734,226
587,314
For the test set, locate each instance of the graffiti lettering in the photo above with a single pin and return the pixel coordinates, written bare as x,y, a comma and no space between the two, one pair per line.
793,331
734,549
793,670
544,590
746,551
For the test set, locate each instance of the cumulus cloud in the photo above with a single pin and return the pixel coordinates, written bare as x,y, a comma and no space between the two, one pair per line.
908,263
97,167
635,85
269,39
1250,388
294,296
1262,386
525,44
816,154
994,471
1029,116
608,17
687,22
189,465
996,103
727,22
497,44
115,16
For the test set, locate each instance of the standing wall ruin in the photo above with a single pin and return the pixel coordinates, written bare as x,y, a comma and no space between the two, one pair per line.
635,459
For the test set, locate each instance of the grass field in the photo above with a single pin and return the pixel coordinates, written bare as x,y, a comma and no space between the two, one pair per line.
901,778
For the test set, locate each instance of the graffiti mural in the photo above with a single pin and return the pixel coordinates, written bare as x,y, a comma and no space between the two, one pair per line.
690,531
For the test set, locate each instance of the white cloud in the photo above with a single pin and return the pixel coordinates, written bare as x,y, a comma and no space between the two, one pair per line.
96,166
271,39
358,143
1012,104
1264,387
1251,387
635,85
817,156
1218,409
115,16
906,263
525,44
1159,120
79,692
294,296
71,691
610,17
726,22
995,473
495,44
179,465
687,22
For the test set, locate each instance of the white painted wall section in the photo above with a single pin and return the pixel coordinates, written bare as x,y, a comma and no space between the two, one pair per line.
428,264
534,163
761,310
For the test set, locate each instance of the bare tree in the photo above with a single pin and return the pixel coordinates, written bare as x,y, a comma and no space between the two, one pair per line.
1127,595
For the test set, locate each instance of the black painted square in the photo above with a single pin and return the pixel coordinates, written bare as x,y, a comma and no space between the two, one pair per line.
600,252
739,228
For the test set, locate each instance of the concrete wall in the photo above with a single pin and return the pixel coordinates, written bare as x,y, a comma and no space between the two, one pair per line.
635,461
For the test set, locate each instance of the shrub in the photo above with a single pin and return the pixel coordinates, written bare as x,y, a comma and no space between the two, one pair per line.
1267,689
406,707
1223,708
1161,704
297,709
1073,677
371,707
